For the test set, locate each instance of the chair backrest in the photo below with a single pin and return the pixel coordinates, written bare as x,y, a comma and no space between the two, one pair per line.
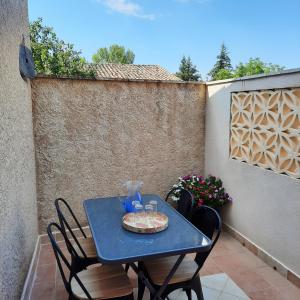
185,202
65,225
62,260
208,221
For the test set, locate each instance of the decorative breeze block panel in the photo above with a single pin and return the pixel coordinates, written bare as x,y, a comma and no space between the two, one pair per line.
265,129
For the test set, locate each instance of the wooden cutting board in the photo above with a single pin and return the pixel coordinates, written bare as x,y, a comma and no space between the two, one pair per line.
145,223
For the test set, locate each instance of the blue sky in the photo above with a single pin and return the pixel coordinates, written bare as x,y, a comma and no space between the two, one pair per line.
161,31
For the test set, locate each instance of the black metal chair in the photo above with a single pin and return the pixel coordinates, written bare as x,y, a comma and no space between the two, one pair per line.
84,245
187,276
99,282
185,202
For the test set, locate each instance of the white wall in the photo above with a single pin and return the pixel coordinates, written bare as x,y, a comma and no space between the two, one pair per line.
266,207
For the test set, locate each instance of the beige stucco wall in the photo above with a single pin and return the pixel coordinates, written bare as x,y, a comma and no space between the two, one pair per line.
92,135
18,213
266,207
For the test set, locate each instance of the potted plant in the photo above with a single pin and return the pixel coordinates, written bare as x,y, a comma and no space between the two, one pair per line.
206,190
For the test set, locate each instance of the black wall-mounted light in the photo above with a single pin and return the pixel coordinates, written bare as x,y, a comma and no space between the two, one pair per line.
26,63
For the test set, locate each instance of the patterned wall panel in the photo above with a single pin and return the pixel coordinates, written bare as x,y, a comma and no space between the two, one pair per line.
265,129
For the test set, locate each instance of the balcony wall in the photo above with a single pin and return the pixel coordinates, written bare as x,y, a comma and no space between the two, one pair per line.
18,213
91,135
266,207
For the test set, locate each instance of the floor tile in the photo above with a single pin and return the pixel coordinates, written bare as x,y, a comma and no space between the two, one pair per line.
233,289
46,255
224,296
61,293
249,281
266,294
45,273
43,291
238,262
216,282
210,268
245,276
178,294
210,294
288,290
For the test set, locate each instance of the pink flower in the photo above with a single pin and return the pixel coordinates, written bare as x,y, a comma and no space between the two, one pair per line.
200,202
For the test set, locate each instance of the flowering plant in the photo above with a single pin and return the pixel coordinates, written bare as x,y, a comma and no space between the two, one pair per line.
208,191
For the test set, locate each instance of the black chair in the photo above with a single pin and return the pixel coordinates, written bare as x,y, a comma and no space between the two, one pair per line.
84,245
99,282
187,276
185,202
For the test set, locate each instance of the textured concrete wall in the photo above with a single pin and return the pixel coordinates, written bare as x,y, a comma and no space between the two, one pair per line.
266,207
92,135
18,213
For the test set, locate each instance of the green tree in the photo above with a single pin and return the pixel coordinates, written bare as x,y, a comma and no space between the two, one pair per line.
188,71
114,54
223,63
224,74
53,56
255,66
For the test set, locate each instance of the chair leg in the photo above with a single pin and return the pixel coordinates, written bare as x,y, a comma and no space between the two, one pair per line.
141,289
126,268
188,293
151,297
197,287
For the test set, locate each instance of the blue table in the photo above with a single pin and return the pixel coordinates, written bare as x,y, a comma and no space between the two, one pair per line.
117,245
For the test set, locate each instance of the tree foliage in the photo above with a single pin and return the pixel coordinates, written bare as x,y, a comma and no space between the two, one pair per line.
223,63
114,54
224,74
255,66
188,71
223,69
53,56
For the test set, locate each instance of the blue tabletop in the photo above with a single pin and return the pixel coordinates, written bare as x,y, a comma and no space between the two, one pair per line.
115,244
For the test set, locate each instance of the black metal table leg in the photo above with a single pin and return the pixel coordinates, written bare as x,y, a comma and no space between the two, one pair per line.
157,293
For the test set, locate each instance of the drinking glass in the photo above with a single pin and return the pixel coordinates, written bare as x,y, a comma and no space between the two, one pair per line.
138,210
148,210
154,205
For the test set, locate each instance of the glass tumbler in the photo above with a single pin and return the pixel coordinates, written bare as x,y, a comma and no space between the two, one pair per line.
138,212
148,210
154,205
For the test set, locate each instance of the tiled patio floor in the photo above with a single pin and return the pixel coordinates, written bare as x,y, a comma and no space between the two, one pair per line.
257,280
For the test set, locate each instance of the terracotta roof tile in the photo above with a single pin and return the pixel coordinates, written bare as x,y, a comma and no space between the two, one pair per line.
134,72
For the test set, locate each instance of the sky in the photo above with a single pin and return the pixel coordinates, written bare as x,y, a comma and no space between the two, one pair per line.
162,31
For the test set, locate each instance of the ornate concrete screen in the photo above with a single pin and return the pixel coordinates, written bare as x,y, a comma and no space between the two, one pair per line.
265,129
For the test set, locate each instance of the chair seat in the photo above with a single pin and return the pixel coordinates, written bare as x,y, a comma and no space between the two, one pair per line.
102,282
158,269
88,247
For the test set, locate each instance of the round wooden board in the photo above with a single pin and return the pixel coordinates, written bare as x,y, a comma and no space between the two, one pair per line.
147,223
